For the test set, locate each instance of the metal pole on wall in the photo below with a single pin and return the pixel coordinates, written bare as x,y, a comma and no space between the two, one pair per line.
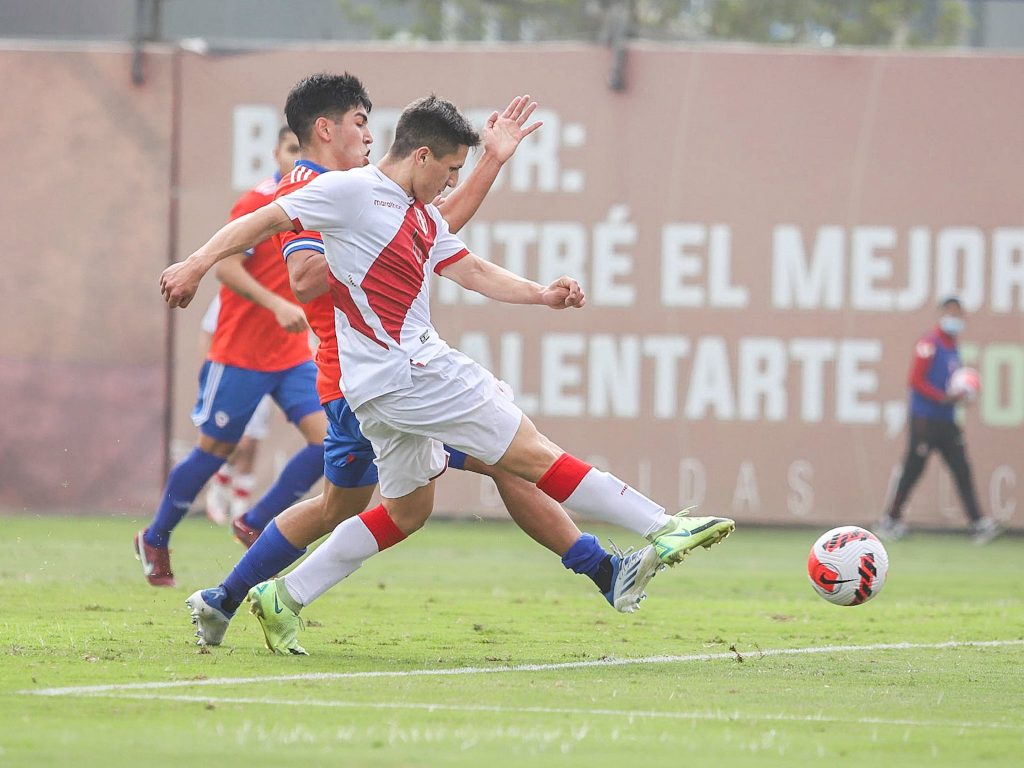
979,15
616,32
147,29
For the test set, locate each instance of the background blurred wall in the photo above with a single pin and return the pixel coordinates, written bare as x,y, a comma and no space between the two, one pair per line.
85,212
762,235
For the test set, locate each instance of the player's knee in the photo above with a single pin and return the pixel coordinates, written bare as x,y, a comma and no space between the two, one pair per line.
477,466
340,503
313,427
530,457
331,516
409,519
220,448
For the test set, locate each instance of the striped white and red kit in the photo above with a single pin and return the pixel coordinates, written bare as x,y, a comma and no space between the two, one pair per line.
379,244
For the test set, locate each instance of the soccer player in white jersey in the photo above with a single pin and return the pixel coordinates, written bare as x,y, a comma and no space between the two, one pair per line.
330,115
410,391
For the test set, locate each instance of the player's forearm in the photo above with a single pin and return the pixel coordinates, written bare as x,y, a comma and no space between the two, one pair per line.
236,277
498,283
239,235
930,392
464,201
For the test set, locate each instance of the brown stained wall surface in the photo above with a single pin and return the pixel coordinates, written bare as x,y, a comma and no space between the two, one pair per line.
700,371
82,345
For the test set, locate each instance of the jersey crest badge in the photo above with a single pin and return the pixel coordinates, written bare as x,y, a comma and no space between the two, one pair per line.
421,220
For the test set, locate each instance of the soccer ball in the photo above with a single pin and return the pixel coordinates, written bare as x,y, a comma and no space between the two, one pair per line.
965,381
848,565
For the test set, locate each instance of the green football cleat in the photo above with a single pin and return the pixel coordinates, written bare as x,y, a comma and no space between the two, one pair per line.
278,617
675,540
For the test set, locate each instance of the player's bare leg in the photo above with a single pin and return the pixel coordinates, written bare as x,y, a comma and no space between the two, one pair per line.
602,496
308,521
539,516
621,577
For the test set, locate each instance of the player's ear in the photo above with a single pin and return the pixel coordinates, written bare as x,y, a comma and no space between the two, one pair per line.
322,127
421,155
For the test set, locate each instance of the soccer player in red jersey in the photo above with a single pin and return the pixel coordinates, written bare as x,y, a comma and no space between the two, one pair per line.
260,347
229,492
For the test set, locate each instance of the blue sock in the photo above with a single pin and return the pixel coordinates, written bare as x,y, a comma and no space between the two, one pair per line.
297,477
588,557
267,557
183,484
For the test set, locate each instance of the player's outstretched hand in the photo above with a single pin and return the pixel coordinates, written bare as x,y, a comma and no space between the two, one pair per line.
291,317
564,293
179,283
502,133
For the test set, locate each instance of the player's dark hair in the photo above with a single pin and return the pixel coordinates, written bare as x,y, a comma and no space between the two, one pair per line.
282,132
322,95
950,301
433,123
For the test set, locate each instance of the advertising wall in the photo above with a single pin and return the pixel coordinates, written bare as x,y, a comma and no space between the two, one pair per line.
762,236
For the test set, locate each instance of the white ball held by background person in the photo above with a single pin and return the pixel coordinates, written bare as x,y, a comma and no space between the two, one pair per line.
966,382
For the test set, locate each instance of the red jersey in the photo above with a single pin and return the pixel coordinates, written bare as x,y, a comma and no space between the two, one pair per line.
248,336
320,311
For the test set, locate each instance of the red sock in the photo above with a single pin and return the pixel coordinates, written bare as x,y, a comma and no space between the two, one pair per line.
563,476
379,523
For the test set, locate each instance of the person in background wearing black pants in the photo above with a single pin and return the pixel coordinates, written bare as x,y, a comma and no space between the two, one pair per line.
933,426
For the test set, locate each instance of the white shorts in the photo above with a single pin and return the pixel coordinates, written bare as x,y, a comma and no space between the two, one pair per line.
258,425
209,322
452,401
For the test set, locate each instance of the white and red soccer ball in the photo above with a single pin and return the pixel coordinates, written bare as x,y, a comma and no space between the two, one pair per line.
965,381
848,565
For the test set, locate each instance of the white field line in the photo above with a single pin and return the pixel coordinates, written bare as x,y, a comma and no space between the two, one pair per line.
629,715
86,690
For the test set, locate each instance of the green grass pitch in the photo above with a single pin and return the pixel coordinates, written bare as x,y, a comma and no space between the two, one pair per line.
76,613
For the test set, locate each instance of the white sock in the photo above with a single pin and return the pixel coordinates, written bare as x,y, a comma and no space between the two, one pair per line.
601,496
243,484
340,555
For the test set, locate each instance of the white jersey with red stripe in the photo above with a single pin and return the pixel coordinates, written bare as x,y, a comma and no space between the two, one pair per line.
379,243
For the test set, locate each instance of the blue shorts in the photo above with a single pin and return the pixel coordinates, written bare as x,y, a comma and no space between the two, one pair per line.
348,456
228,397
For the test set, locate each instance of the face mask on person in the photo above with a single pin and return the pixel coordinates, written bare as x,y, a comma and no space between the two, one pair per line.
950,325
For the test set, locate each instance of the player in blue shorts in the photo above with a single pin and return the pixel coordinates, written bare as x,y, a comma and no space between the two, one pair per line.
260,347
229,492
